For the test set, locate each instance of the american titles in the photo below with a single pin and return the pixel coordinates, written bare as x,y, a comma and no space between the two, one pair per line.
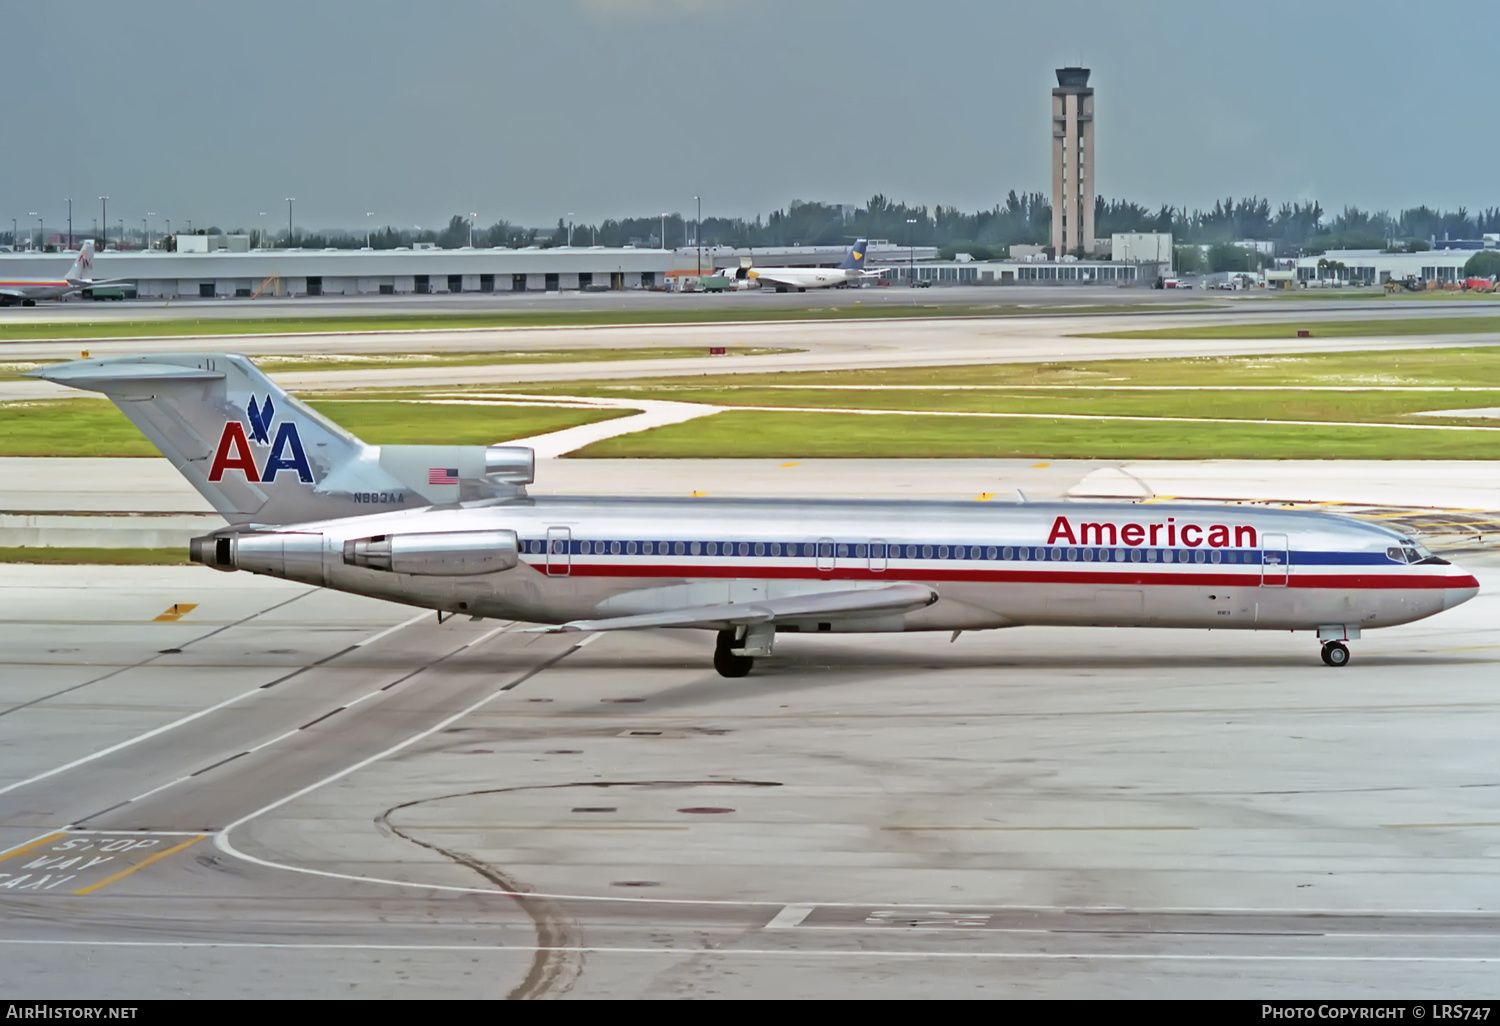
1170,534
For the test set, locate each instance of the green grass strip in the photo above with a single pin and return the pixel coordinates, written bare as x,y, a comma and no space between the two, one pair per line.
878,306
757,435
14,369
94,427
1394,326
96,557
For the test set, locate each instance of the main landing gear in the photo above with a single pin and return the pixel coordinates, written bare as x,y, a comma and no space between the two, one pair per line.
1335,653
726,662
736,649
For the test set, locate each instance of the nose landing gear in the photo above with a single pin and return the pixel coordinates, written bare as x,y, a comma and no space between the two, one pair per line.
1335,653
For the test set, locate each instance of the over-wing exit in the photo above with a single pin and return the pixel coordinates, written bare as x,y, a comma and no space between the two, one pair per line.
452,528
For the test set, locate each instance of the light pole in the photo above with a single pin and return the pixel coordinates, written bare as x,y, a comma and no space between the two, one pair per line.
570,229
15,235
911,251
263,244
104,219
664,231
169,227
289,201
472,217
368,214
40,238
70,222
122,233
146,227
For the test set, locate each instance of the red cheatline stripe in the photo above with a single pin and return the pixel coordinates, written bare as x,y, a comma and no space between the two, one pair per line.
1189,578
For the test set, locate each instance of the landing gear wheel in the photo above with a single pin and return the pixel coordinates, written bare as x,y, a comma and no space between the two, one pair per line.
726,662
1336,653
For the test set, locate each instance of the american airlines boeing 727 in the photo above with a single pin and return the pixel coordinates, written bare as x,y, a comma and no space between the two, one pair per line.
452,528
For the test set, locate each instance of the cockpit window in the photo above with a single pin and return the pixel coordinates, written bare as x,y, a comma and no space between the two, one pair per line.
1414,552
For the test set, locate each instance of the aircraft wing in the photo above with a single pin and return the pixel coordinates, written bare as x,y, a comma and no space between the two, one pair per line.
13,293
895,598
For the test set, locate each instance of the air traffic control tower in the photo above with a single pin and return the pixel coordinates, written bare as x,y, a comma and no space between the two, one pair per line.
1072,163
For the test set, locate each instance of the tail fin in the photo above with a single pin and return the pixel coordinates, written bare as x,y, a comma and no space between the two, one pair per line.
258,455
82,269
855,259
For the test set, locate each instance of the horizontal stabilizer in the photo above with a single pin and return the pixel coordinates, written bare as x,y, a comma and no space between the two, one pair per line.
110,376
897,598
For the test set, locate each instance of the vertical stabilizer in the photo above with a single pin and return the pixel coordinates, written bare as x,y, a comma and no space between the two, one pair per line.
252,450
261,456
854,260
83,267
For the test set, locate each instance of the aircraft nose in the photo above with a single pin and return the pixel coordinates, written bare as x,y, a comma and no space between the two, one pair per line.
1460,589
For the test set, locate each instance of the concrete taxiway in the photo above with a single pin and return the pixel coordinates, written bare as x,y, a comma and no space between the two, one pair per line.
817,345
216,785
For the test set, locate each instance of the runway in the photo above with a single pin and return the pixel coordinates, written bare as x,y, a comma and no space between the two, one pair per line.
819,345
341,796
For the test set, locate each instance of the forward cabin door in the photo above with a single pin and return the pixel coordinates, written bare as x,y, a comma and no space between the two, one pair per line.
559,551
1275,561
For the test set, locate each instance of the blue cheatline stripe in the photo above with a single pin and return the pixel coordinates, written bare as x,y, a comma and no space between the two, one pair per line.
950,552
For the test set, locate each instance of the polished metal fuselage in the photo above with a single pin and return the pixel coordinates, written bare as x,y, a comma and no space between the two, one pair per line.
993,565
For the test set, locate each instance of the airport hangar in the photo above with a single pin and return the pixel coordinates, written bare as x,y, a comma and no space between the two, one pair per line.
234,272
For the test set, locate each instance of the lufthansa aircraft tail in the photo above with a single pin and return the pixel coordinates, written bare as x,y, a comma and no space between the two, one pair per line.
262,457
854,260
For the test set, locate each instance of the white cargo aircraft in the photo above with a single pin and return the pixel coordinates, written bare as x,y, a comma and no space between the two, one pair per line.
26,291
451,528
785,279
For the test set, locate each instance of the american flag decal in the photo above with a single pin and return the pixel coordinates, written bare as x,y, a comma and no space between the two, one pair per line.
442,475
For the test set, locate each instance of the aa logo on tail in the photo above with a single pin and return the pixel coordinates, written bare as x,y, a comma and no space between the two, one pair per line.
234,453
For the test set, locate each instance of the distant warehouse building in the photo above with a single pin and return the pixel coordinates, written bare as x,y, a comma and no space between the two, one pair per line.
225,273
1376,267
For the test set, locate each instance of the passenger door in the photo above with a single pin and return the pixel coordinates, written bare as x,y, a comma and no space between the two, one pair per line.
877,555
1275,561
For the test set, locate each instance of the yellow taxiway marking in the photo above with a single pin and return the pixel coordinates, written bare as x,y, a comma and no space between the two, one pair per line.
1039,466
984,496
177,612
32,846
794,463
699,495
122,874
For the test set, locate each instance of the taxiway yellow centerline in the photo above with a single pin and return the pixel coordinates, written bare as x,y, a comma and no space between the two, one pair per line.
122,874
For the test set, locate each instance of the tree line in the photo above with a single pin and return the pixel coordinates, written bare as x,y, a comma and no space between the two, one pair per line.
1295,228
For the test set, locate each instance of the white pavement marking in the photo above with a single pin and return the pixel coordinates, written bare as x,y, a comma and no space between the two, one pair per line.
392,630
790,916
653,413
221,840
698,952
183,721
1239,421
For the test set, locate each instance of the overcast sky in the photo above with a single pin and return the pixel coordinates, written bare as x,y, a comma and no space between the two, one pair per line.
526,111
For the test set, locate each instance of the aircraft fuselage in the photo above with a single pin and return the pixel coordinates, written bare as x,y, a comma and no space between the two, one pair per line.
991,565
